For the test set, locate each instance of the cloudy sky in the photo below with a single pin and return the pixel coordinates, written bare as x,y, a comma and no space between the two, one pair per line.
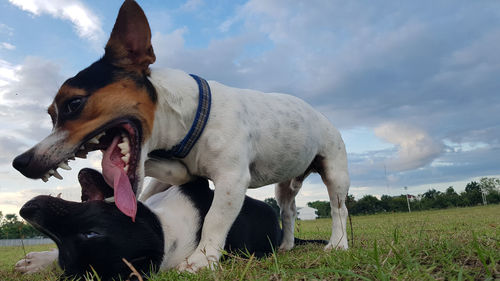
413,86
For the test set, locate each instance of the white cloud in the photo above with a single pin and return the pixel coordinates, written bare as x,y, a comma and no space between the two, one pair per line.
34,82
12,201
168,46
364,70
86,23
7,46
5,29
7,74
415,147
191,5
26,90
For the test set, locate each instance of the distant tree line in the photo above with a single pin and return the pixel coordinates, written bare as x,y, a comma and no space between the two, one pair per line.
489,188
432,199
12,228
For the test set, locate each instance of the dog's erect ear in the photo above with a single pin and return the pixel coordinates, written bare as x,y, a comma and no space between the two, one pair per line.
93,185
129,45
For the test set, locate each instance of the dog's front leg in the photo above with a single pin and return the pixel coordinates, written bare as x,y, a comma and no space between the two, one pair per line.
228,200
37,261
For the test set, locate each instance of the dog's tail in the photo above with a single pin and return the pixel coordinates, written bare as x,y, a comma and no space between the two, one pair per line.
299,241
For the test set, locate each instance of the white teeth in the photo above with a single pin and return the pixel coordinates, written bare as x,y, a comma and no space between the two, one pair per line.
125,138
53,172
100,135
64,166
125,168
47,176
126,157
94,140
57,175
125,148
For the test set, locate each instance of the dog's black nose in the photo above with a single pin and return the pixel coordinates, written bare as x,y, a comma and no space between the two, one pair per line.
22,161
29,209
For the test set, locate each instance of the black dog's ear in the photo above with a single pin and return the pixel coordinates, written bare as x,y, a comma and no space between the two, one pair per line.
129,45
94,187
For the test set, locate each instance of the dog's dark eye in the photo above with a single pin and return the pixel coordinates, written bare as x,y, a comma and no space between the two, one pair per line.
73,106
91,234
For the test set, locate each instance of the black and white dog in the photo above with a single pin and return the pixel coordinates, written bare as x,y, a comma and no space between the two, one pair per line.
166,231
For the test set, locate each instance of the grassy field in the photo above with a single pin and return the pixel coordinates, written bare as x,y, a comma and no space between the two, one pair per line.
453,244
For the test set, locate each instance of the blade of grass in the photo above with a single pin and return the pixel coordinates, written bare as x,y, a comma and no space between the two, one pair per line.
246,268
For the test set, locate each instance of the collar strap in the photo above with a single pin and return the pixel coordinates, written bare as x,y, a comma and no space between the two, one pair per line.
182,149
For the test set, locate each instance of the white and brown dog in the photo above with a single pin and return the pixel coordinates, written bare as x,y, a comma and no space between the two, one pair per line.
169,125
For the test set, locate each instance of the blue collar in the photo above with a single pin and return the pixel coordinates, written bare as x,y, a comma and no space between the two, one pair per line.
182,149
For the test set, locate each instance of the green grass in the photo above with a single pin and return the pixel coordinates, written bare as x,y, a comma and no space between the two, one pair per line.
452,244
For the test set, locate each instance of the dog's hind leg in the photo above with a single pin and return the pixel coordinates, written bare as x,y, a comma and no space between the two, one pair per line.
333,171
285,196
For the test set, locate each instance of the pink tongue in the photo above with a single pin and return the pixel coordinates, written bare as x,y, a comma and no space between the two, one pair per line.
115,176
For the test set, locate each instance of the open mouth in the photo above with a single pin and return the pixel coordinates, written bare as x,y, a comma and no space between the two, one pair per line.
119,141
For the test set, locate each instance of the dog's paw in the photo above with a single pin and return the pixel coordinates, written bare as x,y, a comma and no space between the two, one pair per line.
36,261
338,246
197,261
285,246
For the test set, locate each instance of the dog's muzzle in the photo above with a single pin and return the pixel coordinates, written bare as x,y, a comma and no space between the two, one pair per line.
24,164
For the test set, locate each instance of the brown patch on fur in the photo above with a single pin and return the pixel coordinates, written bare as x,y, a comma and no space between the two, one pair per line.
122,98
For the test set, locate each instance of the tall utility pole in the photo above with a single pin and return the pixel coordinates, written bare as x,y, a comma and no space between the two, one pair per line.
386,180
407,199
483,196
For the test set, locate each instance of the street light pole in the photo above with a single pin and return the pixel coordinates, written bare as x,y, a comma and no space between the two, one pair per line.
407,199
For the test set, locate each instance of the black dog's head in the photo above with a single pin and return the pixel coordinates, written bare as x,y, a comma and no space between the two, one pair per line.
94,234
